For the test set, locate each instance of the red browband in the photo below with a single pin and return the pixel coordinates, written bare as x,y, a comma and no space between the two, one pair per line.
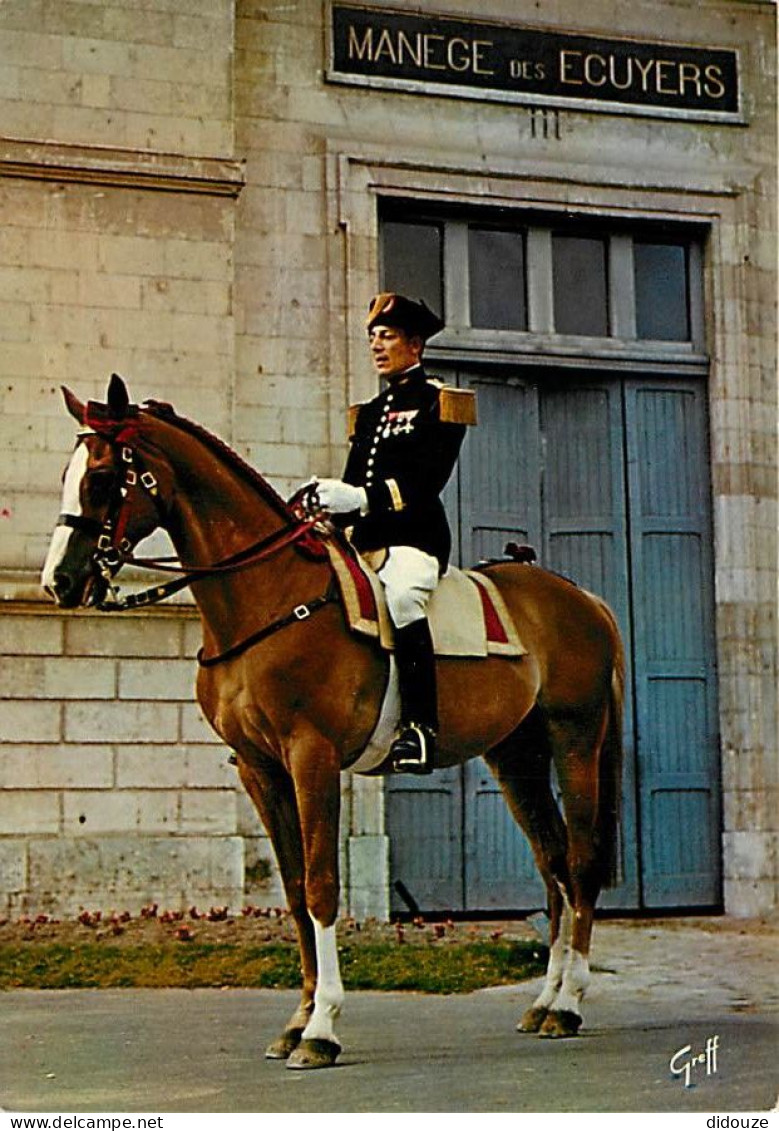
98,417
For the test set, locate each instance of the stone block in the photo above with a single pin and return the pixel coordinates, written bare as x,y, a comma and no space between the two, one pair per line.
249,823
749,899
128,872
94,813
56,678
30,721
13,868
26,811
263,886
130,255
368,870
192,637
195,728
201,260
41,766
157,679
209,811
174,767
367,816
749,855
24,635
86,635
121,722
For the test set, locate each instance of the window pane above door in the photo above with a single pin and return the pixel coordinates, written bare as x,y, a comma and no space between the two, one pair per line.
496,267
580,285
662,308
413,261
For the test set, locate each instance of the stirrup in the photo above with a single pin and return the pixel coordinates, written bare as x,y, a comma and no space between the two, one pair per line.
412,751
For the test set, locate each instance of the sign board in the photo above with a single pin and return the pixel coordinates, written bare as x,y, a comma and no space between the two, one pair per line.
467,58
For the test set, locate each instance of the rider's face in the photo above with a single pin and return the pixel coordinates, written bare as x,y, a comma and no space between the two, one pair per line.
392,350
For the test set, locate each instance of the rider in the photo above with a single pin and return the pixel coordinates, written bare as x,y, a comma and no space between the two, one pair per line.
404,446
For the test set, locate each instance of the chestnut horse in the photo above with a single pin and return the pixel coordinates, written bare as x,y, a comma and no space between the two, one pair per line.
297,696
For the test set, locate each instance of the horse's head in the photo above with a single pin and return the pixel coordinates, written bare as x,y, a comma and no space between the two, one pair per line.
109,502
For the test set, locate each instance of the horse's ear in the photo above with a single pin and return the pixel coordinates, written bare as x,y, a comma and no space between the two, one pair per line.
118,397
74,406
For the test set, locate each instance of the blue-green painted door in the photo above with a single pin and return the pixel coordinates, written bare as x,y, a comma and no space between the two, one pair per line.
608,478
673,607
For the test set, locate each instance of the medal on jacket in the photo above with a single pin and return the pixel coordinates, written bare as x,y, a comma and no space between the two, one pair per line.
400,423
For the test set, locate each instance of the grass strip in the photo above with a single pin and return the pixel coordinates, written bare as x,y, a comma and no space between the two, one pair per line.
191,965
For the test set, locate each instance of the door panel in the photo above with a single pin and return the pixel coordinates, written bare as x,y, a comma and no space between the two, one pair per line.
500,872
673,613
425,827
584,519
500,504
497,470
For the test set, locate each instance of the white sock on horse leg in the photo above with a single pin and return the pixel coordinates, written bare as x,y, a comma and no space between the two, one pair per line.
575,981
559,955
329,993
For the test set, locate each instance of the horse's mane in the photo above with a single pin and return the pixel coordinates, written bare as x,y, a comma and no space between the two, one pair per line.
165,412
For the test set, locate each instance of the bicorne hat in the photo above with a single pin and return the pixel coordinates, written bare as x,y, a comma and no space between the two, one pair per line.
414,317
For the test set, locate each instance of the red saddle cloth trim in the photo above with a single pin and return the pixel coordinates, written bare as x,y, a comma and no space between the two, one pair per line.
365,594
496,633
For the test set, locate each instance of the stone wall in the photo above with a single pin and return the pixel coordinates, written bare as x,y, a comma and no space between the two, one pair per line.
117,201
115,792
185,200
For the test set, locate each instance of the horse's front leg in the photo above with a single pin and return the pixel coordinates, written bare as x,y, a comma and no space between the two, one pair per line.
315,769
271,790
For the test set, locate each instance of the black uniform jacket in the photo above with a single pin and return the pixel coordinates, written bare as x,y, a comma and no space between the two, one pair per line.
405,443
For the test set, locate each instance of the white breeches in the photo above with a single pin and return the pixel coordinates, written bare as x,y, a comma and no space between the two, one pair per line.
409,577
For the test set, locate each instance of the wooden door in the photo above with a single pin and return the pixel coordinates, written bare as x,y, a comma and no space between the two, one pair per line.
608,478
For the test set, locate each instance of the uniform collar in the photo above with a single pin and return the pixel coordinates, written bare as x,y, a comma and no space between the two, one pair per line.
407,377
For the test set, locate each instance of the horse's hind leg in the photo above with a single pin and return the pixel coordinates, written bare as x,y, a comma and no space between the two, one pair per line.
521,766
272,792
577,746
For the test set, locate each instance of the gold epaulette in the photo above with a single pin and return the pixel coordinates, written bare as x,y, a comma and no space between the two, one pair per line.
354,412
457,406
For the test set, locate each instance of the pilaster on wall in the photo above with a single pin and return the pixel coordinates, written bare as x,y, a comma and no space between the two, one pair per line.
744,414
366,850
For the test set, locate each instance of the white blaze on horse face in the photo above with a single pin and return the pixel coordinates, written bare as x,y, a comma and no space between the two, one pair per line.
329,993
71,504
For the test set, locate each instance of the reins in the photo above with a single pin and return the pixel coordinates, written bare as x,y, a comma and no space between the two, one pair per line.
243,559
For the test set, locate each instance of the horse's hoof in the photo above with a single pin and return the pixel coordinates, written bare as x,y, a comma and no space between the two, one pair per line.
284,1045
532,1019
560,1023
314,1052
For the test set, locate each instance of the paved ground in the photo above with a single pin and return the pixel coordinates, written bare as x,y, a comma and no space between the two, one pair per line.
658,987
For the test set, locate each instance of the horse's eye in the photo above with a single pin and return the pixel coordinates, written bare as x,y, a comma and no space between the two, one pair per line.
99,487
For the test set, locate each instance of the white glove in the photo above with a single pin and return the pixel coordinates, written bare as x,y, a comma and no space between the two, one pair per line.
338,497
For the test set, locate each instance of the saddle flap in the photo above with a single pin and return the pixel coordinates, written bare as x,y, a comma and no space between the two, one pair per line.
467,614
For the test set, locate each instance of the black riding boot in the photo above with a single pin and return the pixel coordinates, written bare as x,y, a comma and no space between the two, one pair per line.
412,751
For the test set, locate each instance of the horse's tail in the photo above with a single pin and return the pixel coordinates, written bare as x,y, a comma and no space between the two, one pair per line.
610,774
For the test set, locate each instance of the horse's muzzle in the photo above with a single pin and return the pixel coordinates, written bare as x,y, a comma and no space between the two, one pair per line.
71,592
64,590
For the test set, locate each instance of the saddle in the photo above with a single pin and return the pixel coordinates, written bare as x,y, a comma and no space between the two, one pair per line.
467,614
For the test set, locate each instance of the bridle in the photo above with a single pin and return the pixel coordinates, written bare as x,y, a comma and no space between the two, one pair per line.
113,549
